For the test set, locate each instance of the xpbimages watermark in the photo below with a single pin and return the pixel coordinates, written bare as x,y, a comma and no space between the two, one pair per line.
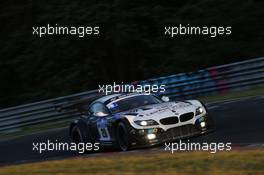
48,146
211,31
191,146
79,31
130,88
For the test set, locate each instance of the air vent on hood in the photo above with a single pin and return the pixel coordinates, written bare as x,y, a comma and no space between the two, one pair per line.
169,120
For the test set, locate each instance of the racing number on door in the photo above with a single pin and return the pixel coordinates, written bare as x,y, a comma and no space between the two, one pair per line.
103,131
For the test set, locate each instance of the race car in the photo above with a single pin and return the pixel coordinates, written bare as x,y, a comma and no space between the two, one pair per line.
127,121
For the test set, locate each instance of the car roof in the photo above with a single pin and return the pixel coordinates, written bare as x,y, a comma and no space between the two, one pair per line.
107,97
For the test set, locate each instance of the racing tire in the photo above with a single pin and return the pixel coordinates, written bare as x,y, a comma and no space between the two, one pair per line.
122,135
79,136
76,135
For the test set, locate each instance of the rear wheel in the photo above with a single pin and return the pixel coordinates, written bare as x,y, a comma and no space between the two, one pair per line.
76,135
122,135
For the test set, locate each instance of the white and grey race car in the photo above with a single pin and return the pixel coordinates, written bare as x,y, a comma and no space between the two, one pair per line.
133,120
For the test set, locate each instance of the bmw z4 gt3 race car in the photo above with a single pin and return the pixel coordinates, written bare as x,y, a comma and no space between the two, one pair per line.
139,120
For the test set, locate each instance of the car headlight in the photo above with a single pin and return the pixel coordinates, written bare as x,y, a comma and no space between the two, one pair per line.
146,122
199,111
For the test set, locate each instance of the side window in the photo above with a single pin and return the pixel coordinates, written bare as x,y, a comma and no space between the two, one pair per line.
98,107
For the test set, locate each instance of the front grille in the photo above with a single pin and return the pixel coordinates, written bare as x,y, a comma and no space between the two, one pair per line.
187,116
169,120
179,132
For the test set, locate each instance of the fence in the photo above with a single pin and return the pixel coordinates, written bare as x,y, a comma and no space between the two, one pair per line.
179,86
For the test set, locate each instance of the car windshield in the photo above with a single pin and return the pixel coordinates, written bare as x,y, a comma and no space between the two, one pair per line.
132,103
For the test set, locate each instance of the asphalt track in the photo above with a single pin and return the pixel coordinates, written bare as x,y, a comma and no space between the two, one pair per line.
240,122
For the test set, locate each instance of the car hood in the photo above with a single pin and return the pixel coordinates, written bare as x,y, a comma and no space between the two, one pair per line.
161,110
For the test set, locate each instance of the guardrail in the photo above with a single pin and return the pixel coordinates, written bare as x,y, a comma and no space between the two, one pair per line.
179,86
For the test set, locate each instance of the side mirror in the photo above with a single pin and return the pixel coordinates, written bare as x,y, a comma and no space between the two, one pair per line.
100,114
165,98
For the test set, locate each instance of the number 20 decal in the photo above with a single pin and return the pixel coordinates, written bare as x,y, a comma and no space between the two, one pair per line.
103,131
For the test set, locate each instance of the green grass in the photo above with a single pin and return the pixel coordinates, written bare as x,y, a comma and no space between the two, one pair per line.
195,163
248,92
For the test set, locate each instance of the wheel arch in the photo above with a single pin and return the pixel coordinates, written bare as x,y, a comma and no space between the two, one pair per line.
74,123
122,119
84,129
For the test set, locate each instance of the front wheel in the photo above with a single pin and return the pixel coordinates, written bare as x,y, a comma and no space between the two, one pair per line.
122,135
